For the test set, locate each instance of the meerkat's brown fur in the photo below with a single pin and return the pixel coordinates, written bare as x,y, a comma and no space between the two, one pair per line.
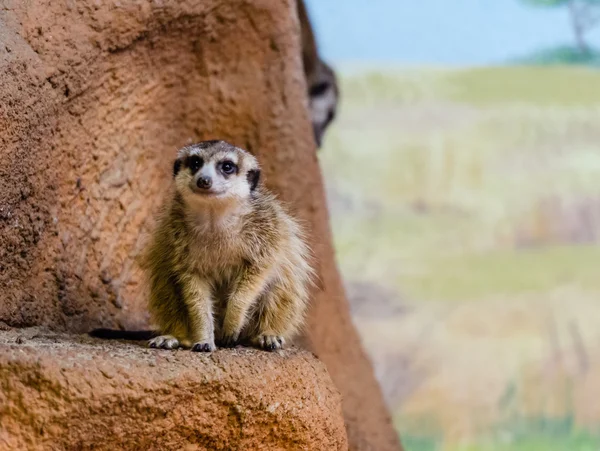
226,268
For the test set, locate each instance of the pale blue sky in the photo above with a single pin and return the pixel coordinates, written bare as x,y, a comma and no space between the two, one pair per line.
444,32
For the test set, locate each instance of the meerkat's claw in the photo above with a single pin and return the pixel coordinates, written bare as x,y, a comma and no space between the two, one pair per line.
229,341
203,346
270,342
164,342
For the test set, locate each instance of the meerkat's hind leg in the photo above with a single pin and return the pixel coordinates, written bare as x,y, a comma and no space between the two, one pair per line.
278,317
164,342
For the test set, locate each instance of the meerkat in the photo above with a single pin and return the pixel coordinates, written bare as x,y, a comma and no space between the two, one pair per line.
226,264
321,81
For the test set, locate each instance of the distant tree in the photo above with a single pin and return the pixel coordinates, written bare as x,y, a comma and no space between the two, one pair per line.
584,15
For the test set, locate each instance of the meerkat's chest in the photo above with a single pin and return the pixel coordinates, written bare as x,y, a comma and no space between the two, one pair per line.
215,257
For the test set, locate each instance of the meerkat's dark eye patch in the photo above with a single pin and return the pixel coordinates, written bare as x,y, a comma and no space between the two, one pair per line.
176,167
228,167
318,89
253,178
194,162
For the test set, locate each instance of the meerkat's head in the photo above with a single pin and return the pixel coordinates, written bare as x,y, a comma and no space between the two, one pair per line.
215,172
323,99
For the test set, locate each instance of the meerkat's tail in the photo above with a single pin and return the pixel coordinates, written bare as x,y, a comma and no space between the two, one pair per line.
133,335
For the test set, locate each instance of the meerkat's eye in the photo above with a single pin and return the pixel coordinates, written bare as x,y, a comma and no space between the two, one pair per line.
195,163
318,89
228,167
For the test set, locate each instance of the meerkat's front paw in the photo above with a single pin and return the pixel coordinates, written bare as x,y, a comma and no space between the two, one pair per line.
164,342
269,342
203,346
229,341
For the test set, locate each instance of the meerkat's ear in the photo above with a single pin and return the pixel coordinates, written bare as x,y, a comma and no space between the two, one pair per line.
176,167
253,178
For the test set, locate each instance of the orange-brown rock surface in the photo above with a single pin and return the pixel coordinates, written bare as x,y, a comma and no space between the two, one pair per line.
95,97
66,392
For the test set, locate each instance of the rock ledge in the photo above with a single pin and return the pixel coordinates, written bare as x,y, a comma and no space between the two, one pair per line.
75,392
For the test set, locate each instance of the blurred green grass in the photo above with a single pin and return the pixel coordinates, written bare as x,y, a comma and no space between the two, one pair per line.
459,185
537,434
467,188
533,85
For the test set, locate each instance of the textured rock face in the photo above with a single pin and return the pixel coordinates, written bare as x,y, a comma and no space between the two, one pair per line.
59,392
99,96
95,98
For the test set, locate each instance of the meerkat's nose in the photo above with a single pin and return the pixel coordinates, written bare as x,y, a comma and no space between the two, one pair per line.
204,182
318,134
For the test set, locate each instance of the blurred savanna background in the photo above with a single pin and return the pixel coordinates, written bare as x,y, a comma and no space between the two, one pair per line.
463,176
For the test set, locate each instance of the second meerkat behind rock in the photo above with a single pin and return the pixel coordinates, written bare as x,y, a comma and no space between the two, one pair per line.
322,84
226,263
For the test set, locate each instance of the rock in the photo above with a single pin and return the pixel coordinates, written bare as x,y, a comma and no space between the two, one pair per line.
74,392
95,99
